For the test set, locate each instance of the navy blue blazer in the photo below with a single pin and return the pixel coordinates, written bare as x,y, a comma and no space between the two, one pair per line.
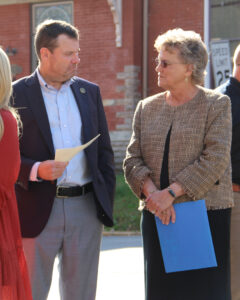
35,199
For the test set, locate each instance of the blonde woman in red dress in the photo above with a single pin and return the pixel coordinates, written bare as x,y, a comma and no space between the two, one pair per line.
14,281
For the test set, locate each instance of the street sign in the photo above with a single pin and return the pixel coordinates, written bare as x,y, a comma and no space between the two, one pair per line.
221,61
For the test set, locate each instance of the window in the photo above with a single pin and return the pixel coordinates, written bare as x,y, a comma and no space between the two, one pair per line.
56,11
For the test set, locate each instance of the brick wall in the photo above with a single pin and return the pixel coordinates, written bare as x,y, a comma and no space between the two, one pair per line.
117,70
15,33
165,15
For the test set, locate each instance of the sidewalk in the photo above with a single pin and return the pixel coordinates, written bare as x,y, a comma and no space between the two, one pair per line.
120,270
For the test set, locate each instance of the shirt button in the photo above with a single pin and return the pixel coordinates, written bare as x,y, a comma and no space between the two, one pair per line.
65,125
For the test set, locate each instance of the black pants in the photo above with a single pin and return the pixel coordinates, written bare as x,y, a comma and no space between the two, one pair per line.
203,284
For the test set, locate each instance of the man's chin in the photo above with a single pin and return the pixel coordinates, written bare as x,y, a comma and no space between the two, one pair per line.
74,72
69,76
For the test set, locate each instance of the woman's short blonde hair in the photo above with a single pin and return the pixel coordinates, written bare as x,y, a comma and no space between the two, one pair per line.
191,49
5,86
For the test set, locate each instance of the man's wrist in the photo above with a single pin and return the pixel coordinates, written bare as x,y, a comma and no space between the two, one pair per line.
34,172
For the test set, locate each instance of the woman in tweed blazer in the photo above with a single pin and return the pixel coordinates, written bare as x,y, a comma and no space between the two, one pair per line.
180,151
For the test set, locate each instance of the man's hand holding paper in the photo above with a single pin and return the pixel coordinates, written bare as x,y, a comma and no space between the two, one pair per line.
51,169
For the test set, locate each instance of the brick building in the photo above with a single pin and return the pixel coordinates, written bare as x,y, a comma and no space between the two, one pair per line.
117,38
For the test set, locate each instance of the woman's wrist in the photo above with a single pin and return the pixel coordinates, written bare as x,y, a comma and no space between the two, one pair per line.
171,192
150,194
175,190
148,187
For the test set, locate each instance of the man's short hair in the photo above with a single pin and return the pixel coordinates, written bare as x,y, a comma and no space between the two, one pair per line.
48,31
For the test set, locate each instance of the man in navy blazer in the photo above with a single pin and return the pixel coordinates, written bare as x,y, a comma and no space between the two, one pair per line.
62,205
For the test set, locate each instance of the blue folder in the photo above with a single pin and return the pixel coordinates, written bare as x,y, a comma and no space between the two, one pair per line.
187,244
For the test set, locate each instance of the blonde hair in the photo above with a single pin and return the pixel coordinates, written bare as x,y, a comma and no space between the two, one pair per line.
5,87
191,48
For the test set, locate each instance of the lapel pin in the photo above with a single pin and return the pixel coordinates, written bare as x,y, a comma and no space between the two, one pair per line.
82,90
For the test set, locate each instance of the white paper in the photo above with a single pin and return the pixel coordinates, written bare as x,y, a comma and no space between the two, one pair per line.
66,154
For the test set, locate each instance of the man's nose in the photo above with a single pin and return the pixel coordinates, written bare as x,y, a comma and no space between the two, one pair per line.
76,59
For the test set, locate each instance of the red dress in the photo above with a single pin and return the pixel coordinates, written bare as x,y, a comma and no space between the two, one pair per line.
14,281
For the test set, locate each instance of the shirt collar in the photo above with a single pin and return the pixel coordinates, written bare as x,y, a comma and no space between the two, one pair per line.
44,84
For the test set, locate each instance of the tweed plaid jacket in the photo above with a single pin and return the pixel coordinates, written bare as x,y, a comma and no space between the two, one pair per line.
199,150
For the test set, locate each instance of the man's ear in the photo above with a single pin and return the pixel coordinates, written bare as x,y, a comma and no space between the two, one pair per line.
44,53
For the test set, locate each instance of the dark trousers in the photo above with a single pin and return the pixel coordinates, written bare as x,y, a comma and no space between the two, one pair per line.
203,284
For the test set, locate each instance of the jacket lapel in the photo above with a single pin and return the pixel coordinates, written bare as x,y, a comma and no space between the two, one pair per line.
81,97
36,102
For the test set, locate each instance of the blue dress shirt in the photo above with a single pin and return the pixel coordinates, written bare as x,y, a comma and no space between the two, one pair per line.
66,127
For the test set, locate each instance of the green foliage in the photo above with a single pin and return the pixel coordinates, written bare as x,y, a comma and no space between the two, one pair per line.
126,214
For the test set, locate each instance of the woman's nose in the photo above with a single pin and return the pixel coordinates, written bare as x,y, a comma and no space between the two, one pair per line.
158,67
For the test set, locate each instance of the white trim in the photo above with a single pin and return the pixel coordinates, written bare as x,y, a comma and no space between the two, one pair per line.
116,9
